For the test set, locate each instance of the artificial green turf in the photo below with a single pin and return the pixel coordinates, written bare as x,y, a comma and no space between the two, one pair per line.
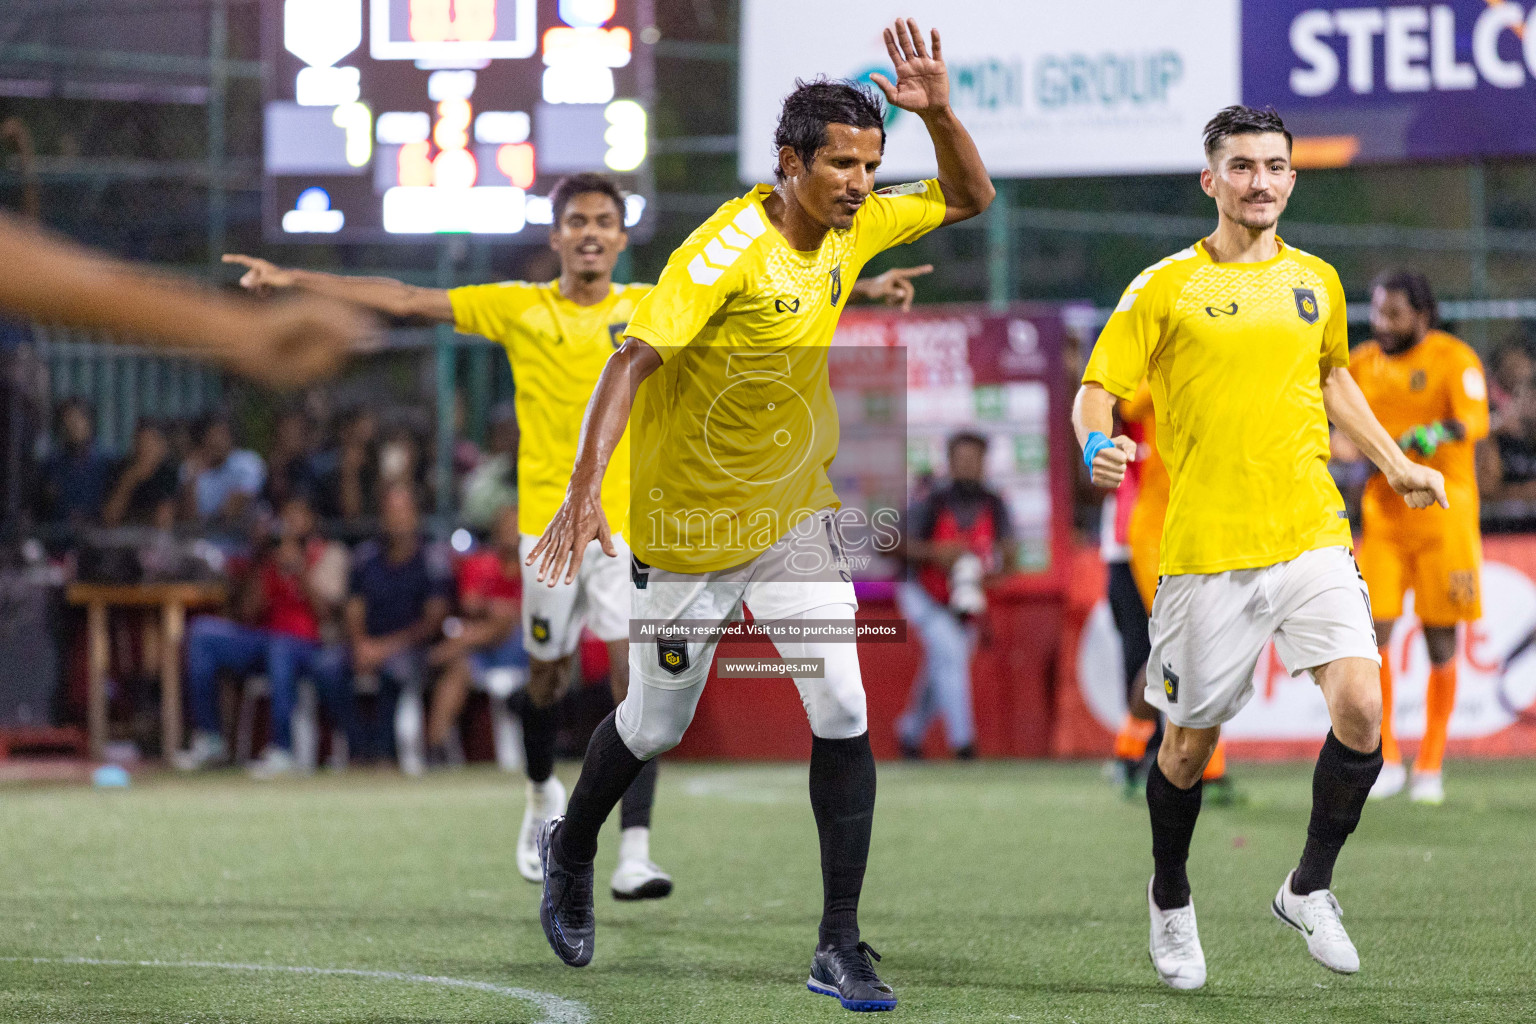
995,892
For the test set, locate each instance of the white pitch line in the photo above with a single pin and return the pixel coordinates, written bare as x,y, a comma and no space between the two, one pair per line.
557,1010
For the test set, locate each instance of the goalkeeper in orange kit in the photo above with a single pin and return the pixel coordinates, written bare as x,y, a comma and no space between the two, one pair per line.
1427,388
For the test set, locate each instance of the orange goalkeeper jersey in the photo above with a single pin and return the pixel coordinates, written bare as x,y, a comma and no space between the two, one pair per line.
1439,378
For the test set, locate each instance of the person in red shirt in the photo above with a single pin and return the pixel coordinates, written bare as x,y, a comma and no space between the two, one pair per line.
485,649
291,592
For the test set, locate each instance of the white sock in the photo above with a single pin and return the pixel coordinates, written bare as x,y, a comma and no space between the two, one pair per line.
538,797
634,844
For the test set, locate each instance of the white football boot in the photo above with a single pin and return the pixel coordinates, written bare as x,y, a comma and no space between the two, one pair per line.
1317,917
637,877
1427,788
1175,946
545,801
205,751
1390,782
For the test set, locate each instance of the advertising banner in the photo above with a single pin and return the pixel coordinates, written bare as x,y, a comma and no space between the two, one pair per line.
1395,81
1106,86
1496,675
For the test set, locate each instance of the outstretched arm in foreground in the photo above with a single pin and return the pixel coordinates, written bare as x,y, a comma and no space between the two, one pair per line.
53,281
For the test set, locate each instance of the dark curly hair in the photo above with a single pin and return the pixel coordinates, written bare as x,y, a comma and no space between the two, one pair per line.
575,185
1415,287
813,105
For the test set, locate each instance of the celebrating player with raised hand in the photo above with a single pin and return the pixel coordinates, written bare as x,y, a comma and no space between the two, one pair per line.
1428,390
283,345
1244,340
558,336
723,382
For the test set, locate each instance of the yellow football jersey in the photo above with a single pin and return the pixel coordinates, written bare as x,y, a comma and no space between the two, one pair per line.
733,435
557,350
1234,353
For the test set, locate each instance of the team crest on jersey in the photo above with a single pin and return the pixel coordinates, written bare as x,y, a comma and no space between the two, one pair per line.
538,627
1170,685
837,284
1418,380
672,655
1306,304
616,333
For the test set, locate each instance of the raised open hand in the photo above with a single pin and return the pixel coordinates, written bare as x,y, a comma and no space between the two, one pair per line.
922,81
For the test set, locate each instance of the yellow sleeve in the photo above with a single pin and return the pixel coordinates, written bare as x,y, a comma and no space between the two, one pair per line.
1336,330
1469,393
694,285
898,215
491,310
1124,349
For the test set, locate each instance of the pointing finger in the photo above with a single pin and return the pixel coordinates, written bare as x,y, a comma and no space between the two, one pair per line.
906,272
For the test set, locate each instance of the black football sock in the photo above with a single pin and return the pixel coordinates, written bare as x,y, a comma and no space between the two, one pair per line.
843,799
1340,783
608,770
635,809
539,726
1173,811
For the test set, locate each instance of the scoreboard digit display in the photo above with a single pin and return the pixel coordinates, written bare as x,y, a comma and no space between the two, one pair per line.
398,119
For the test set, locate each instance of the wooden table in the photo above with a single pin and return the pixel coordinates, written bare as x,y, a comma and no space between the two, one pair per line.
174,600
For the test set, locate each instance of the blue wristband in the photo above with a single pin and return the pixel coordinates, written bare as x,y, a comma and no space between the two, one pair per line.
1097,442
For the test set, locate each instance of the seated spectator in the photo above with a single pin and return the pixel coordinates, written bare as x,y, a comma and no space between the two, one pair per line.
221,481
292,590
76,475
492,485
146,482
487,650
290,467
398,598
346,475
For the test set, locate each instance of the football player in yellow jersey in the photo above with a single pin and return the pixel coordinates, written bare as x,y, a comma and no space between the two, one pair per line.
725,368
558,336
1427,388
1244,341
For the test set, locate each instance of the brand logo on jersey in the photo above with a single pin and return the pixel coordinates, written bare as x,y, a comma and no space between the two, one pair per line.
837,284
538,626
1418,380
792,306
1171,685
1306,304
616,333
1215,311
672,655
726,248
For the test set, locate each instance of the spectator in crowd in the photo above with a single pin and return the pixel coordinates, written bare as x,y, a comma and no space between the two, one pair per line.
492,486
401,459
486,650
290,469
397,600
347,475
1507,466
221,482
145,483
466,453
293,588
958,538
76,476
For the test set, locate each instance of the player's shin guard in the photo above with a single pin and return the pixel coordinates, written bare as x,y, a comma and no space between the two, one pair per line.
843,799
1173,812
1340,783
635,810
1439,702
539,726
608,770
1389,750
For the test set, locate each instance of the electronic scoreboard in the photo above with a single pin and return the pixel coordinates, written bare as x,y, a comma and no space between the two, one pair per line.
397,119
